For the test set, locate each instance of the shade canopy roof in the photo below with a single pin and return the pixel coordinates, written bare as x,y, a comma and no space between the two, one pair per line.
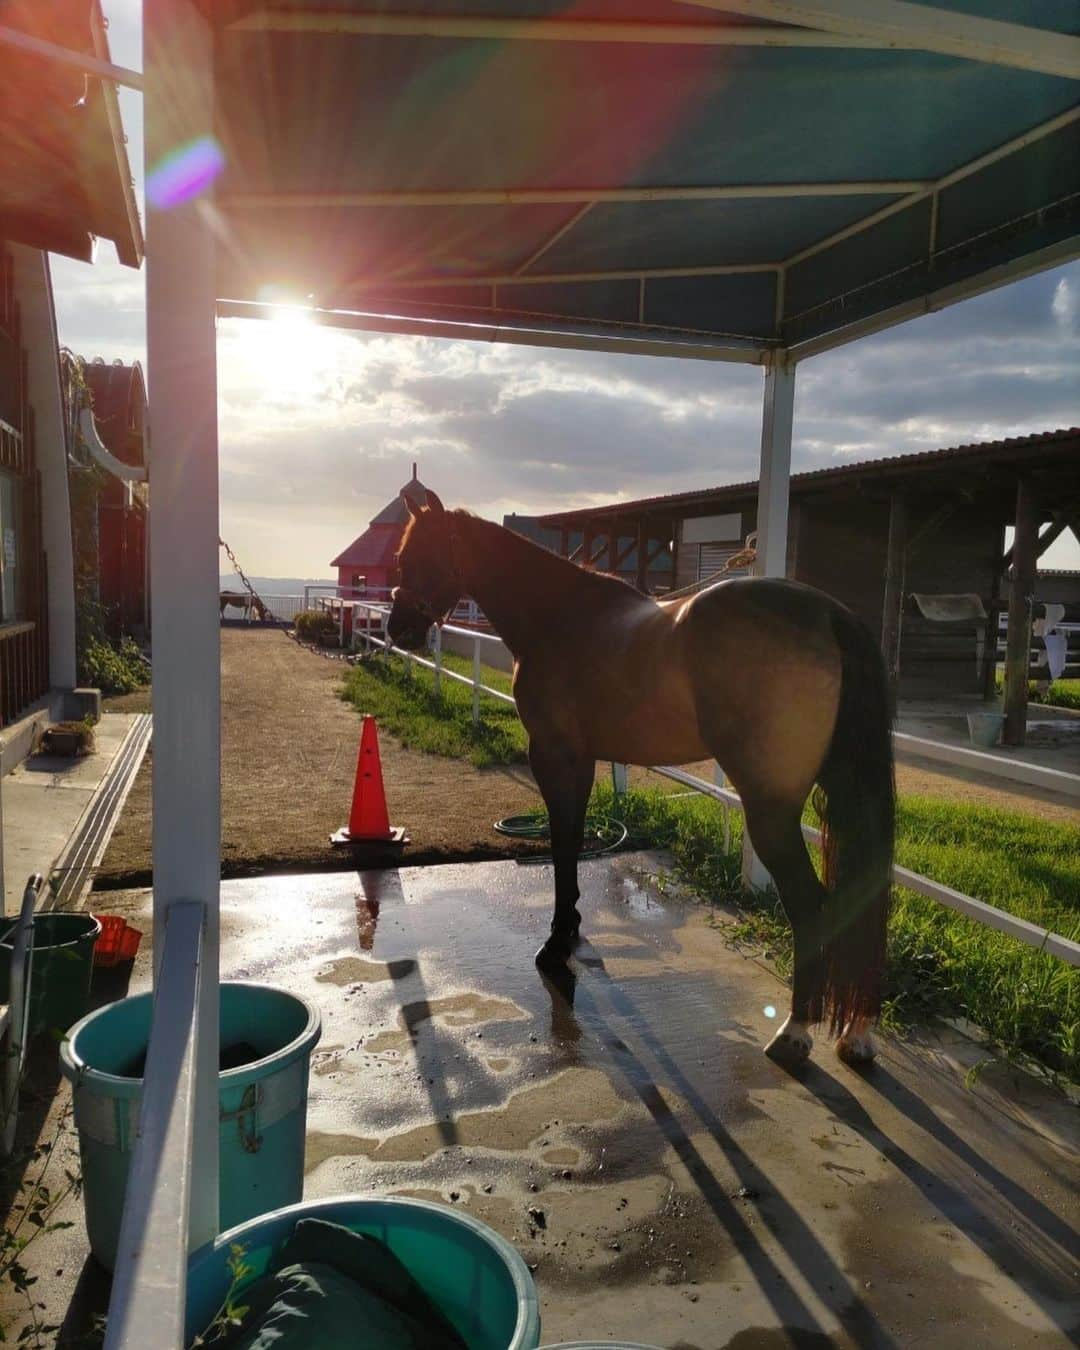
660,170
65,180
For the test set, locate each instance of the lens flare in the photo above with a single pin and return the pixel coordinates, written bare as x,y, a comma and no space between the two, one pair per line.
184,173
770,1011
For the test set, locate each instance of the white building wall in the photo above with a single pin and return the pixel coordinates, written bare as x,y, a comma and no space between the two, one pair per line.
33,291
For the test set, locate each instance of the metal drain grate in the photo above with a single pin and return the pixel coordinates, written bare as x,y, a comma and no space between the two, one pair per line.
74,871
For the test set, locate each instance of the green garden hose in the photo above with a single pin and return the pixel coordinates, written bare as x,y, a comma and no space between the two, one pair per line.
604,832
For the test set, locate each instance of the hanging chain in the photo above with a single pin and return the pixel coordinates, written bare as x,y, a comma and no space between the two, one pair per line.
264,609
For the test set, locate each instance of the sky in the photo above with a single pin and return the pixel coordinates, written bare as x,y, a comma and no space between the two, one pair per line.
319,428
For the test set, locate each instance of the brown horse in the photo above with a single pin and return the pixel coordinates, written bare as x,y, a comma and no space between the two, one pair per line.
779,683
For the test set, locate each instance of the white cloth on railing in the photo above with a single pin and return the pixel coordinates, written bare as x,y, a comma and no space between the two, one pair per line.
1052,616
1057,649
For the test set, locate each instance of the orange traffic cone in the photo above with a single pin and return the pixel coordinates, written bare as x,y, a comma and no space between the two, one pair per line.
369,822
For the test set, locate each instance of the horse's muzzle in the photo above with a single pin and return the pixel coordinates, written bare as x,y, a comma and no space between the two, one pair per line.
408,628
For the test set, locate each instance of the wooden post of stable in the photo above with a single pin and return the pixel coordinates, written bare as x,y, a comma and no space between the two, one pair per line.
1021,591
642,578
892,604
990,640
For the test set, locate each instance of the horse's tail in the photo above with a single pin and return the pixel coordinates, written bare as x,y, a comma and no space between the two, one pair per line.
856,799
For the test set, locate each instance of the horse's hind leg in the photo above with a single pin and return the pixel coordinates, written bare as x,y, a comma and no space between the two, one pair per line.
777,837
565,781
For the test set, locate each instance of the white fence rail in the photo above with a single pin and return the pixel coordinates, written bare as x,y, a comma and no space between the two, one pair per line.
979,910
365,636
150,1282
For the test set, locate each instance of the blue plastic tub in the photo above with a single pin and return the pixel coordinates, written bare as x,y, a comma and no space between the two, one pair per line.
262,1103
473,1275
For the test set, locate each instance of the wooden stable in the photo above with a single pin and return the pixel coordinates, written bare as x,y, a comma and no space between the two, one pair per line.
874,535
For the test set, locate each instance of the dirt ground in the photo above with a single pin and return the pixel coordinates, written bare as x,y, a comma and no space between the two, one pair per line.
289,757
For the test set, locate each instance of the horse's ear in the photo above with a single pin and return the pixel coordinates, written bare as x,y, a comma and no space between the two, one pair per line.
434,505
410,505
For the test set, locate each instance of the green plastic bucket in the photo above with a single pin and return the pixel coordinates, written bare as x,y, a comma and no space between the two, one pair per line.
262,1104
472,1274
60,968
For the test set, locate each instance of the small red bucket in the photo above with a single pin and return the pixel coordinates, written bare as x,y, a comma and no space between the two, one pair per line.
118,941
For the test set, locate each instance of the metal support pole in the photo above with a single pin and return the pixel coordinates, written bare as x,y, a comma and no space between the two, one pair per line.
892,603
438,660
1021,595
476,682
620,779
777,413
182,380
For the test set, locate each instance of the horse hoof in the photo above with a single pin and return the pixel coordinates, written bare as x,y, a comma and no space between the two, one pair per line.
856,1048
555,953
791,1045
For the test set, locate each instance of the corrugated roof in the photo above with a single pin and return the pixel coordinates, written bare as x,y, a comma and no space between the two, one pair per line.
119,400
894,465
66,179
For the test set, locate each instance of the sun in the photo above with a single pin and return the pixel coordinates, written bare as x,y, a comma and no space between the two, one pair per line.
291,353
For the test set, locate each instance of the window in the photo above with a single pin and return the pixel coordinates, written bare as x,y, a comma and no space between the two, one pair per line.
9,548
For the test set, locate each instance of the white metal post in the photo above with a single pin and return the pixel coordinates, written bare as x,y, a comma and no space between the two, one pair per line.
476,682
772,515
438,660
182,380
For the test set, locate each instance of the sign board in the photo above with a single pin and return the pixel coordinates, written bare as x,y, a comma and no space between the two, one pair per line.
712,529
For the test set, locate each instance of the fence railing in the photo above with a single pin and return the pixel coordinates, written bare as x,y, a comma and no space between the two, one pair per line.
365,635
150,1281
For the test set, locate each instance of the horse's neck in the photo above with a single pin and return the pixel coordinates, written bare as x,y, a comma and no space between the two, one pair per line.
518,584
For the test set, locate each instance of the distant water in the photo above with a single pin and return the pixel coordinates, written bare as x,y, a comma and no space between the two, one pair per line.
276,585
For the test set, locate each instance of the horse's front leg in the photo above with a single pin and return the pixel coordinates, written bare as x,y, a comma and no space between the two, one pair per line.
565,780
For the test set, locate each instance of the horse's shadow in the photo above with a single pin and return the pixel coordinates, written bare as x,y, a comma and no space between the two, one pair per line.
583,989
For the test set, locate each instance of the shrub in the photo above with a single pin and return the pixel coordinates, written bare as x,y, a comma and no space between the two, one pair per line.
118,669
314,625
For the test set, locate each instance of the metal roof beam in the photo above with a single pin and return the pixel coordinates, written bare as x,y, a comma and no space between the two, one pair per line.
898,23
554,278
1054,255
1027,138
583,340
563,196
484,28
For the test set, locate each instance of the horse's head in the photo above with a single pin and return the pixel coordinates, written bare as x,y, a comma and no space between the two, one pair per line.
430,583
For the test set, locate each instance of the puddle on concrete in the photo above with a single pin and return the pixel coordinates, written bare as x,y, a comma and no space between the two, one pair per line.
577,1096
355,970
462,1010
499,1064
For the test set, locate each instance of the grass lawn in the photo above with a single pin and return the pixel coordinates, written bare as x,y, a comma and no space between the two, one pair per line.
406,705
939,962
1060,694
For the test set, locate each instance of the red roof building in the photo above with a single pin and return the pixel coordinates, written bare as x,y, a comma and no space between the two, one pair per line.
368,563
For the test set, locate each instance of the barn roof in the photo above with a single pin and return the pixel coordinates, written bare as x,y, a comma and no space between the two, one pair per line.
66,179
119,393
379,542
1016,453
691,174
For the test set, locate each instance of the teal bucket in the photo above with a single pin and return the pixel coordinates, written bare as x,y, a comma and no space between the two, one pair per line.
474,1276
61,967
262,1103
